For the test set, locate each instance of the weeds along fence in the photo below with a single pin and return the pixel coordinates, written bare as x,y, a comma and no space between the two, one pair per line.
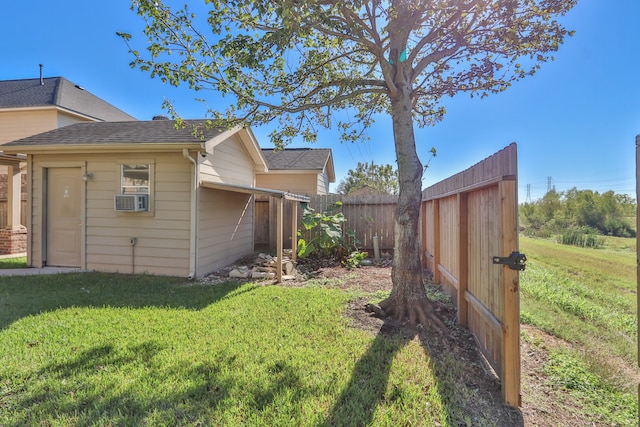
367,216
467,220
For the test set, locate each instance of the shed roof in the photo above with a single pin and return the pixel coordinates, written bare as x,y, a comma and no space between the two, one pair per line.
301,159
58,92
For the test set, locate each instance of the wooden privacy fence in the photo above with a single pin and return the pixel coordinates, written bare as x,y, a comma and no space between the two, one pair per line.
367,216
468,219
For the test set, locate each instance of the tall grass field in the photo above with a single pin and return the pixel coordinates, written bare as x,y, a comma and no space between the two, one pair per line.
587,298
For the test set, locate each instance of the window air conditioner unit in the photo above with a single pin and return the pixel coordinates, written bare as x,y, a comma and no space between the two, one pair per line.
131,202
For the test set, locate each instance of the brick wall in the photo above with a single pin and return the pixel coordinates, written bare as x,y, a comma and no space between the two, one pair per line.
13,241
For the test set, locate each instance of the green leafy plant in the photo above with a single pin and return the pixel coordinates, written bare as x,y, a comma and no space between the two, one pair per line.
324,236
355,258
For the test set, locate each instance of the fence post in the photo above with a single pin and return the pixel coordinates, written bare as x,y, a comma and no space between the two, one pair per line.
463,260
638,242
279,244
294,230
436,241
423,234
511,297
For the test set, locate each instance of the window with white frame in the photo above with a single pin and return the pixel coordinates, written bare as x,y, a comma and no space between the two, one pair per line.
135,178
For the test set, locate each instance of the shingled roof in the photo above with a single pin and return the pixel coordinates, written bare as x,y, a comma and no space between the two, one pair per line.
130,132
297,158
59,92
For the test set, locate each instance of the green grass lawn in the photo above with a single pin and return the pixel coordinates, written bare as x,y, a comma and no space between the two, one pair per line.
107,349
13,262
588,298
101,349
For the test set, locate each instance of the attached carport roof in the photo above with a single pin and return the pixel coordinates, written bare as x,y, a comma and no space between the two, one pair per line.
255,190
282,195
9,160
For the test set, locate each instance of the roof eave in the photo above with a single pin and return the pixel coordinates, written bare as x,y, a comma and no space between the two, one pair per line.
78,114
57,108
28,108
293,171
330,168
99,148
255,151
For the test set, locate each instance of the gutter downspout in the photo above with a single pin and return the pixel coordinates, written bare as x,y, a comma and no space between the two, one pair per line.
193,232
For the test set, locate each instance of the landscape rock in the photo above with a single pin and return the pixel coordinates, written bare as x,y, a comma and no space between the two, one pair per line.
265,266
263,275
239,273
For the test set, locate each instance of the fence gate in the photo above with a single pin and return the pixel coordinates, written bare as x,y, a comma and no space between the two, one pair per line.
469,231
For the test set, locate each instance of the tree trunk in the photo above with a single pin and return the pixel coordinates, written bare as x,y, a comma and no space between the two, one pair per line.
408,299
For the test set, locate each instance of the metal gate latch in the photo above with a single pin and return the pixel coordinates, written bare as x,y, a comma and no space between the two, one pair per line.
515,261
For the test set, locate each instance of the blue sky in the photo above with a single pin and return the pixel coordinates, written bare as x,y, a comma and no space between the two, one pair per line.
574,121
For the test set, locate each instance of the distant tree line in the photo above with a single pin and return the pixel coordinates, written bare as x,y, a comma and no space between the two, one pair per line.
583,211
370,178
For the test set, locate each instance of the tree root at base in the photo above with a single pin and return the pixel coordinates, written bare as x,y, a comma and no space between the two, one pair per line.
423,312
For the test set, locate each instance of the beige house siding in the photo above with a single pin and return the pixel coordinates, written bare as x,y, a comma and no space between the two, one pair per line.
225,228
65,119
162,234
323,184
18,124
229,163
299,183
225,218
